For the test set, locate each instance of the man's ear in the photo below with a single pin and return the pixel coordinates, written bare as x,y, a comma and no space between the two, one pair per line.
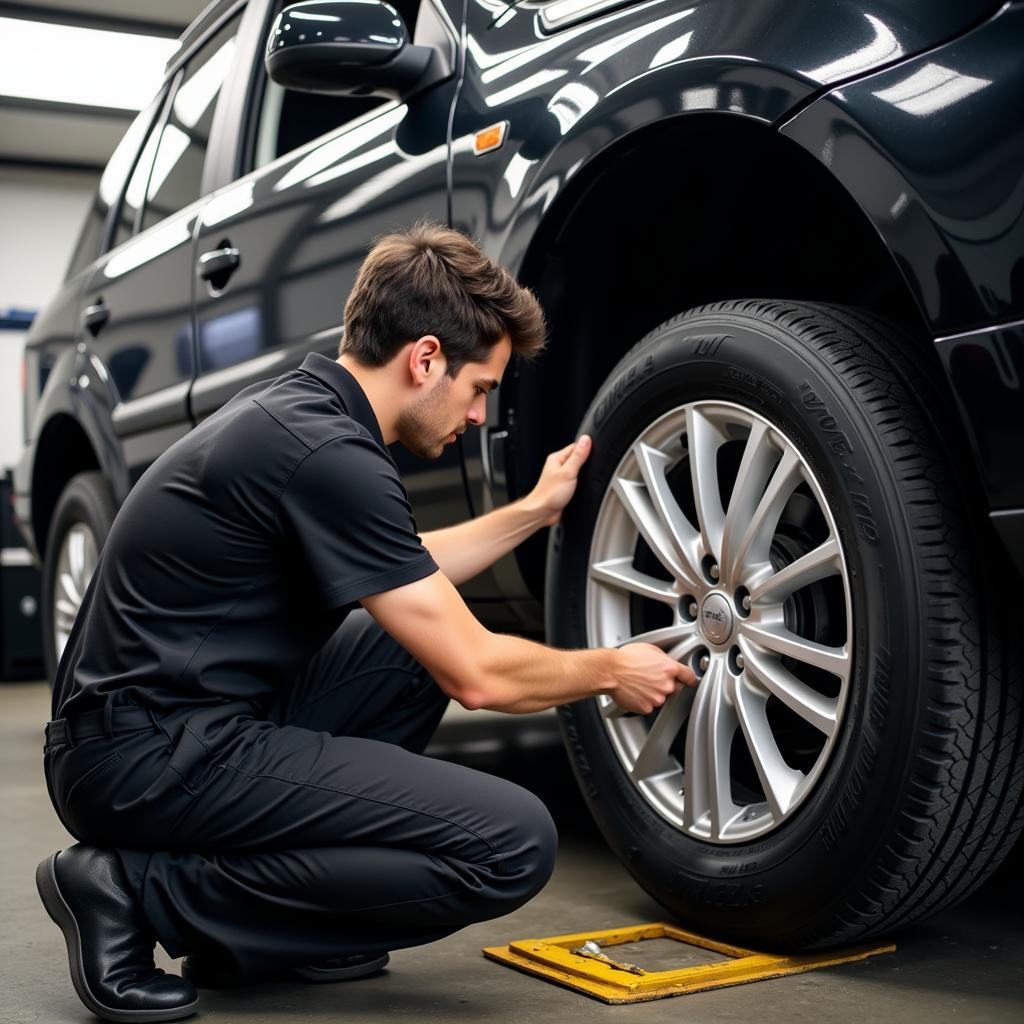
426,360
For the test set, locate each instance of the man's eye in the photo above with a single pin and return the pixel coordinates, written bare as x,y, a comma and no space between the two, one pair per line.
480,391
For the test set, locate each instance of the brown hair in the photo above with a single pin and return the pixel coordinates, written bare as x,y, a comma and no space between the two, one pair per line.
430,279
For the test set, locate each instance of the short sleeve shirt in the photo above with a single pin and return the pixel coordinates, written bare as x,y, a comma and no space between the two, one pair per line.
242,548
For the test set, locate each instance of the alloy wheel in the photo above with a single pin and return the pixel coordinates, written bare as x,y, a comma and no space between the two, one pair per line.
76,563
714,542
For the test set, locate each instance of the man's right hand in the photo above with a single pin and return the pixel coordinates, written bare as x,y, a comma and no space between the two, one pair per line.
646,677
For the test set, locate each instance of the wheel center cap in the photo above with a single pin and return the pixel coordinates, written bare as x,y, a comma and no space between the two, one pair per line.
716,618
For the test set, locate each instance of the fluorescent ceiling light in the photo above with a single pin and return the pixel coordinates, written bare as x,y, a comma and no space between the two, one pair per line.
66,64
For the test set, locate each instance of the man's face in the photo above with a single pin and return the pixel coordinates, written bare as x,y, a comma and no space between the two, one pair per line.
436,418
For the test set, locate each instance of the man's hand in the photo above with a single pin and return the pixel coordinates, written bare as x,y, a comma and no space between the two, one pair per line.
557,482
646,677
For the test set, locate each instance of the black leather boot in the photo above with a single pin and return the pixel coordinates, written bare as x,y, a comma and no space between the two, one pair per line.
110,948
205,974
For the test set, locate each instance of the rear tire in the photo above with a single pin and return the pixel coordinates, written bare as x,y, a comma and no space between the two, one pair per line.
917,797
79,527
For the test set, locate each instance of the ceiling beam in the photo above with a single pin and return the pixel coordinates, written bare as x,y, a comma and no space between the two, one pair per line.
109,22
57,107
28,163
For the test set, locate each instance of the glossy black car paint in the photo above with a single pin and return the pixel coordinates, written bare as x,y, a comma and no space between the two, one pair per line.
937,192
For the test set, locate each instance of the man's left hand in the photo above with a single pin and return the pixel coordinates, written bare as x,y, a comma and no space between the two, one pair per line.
557,482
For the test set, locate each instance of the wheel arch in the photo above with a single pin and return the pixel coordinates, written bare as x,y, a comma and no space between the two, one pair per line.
62,451
719,190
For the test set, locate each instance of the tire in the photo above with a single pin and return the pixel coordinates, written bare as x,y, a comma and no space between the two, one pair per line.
78,530
897,786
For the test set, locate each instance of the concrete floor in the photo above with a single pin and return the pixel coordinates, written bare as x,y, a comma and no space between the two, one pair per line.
965,965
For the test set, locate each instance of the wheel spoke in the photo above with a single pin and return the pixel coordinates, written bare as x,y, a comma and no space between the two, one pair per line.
686,646
782,641
66,612
815,708
609,709
708,746
76,556
640,508
620,574
754,547
71,592
654,465
759,459
778,780
822,561
654,757
704,440
666,636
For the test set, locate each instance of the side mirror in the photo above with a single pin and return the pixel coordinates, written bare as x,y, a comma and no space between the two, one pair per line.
348,48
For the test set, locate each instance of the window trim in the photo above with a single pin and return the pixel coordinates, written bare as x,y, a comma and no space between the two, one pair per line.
165,114
157,107
245,149
180,76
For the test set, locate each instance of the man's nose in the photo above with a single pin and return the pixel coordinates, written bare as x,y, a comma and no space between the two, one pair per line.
478,412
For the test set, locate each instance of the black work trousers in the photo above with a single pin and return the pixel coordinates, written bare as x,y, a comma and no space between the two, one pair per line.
313,831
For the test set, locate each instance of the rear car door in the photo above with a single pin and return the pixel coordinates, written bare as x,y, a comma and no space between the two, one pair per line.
316,179
137,303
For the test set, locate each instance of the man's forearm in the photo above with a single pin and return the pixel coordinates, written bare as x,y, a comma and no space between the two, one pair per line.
468,548
524,676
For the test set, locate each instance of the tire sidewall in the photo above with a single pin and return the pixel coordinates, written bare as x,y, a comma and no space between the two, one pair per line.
793,873
86,499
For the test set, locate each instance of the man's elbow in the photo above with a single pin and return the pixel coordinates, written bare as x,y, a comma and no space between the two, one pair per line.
472,700
466,691
475,695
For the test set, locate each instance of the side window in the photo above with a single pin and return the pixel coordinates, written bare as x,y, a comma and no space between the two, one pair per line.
90,240
286,118
175,179
135,191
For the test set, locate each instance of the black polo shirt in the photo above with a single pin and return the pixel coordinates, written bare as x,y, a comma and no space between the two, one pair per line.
242,548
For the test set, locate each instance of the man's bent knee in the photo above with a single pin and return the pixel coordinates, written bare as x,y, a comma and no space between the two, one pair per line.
528,857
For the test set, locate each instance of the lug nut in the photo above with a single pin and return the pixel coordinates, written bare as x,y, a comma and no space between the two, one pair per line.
692,609
714,572
746,603
739,661
704,662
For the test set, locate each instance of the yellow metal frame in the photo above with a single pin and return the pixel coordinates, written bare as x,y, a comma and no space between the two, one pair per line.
561,960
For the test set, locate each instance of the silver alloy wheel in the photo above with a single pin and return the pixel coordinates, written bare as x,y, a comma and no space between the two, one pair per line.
758,605
75,566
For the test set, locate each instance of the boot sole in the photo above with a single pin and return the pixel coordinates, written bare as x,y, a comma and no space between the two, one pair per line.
322,975
308,975
61,915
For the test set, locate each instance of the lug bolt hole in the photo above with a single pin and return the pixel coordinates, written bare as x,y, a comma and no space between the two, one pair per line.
688,608
736,662
710,568
742,602
701,661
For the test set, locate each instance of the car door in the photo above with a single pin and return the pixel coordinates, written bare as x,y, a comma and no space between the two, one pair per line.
279,248
138,300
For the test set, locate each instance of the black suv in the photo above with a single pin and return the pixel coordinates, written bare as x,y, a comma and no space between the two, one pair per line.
781,249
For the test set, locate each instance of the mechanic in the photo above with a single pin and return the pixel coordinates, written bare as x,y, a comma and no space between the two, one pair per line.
266,647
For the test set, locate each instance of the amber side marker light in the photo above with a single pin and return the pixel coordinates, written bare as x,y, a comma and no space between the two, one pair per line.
579,962
489,138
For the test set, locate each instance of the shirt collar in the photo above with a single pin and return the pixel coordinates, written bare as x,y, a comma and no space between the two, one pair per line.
346,387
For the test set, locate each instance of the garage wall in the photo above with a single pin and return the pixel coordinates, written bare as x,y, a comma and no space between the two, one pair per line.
41,213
